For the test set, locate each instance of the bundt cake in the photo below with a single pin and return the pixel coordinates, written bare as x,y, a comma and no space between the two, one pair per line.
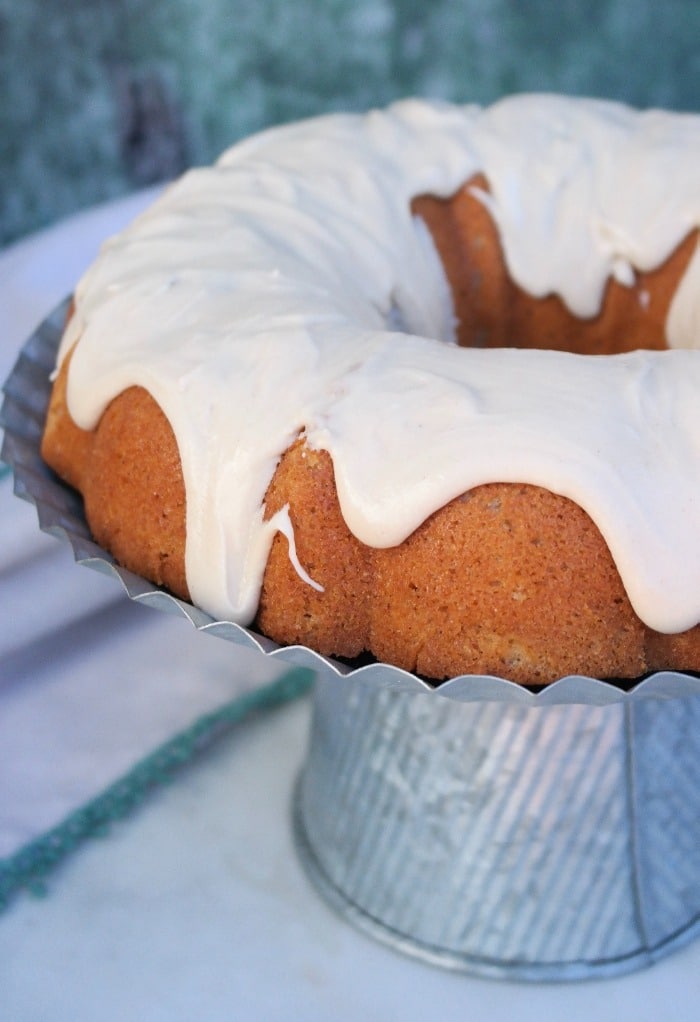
421,383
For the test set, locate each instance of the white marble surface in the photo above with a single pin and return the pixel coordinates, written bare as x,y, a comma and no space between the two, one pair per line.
195,907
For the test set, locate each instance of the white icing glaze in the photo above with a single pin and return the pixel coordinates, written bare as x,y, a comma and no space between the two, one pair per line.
281,522
259,299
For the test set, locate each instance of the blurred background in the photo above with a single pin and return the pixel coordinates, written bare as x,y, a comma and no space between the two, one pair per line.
102,97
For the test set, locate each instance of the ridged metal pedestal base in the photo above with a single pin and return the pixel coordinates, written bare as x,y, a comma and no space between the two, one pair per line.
556,842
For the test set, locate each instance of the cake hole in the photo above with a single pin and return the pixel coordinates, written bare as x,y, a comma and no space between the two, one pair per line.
395,319
493,311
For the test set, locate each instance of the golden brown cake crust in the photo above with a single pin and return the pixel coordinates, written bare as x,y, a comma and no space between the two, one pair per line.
129,473
507,579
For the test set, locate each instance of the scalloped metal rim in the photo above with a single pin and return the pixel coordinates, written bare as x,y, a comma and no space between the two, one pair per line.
59,511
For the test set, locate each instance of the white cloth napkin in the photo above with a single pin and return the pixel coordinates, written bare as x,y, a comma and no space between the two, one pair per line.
68,730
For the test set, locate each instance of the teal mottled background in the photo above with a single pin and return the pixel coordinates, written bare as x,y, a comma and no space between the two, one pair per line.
98,97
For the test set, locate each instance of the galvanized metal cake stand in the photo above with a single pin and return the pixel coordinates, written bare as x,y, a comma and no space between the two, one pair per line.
479,826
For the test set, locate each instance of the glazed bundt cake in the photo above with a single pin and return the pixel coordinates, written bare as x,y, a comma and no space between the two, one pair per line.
421,383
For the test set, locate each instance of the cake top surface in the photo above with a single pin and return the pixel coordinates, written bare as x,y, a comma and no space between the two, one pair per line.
288,291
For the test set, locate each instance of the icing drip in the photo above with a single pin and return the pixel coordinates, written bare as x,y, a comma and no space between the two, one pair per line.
283,523
260,298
